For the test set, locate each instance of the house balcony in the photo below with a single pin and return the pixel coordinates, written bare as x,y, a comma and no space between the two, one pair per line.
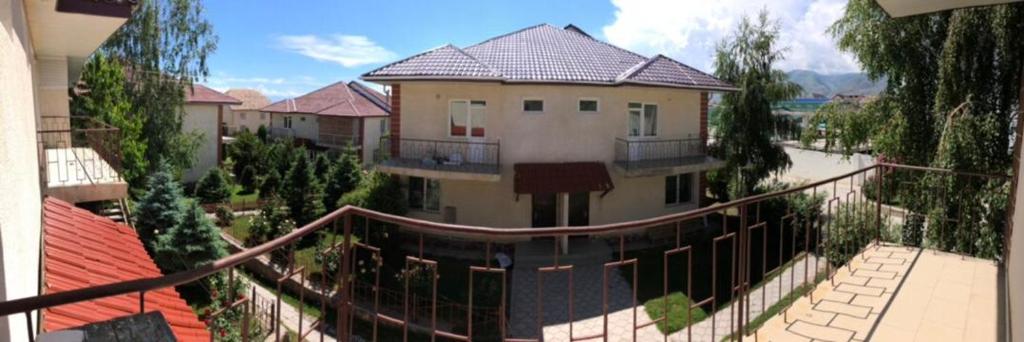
282,133
338,140
636,157
441,159
80,159
747,269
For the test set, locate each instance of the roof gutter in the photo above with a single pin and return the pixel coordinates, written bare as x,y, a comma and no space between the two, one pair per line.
387,79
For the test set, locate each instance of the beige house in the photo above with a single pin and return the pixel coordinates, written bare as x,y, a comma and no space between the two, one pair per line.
546,126
43,45
247,116
204,113
338,115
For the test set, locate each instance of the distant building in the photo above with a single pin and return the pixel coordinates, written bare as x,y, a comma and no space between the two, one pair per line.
205,110
247,116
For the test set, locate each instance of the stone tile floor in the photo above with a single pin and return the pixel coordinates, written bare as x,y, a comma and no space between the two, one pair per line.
894,293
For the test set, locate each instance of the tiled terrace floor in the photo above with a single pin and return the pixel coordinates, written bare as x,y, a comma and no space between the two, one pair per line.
892,293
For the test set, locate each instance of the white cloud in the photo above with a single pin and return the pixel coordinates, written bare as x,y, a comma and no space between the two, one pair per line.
688,30
349,51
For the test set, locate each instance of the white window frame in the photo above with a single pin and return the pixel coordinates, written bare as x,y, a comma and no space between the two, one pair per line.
642,119
693,183
543,105
469,118
423,200
597,100
287,121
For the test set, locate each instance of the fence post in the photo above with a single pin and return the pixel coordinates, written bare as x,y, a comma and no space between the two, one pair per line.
878,204
343,307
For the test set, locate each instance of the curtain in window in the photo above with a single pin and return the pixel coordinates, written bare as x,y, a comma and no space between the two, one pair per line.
634,119
478,117
459,118
650,120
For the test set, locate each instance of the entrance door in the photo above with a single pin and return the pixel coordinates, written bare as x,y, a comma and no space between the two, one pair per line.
579,209
545,210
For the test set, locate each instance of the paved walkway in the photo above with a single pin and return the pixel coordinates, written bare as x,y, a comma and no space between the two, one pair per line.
289,315
893,293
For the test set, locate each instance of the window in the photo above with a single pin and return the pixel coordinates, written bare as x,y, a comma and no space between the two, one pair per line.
384,126
533,105
287,122
679,189
241,115
467,118
424,194
588,105
643,119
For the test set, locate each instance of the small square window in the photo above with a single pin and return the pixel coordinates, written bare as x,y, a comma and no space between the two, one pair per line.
588,105
533,105
679,189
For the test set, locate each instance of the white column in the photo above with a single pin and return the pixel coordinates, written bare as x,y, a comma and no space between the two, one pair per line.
564,222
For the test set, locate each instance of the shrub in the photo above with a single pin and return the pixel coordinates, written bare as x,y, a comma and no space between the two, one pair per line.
225,216
262,133
852,228
226,327
912,230
213,188
272,222
247,179
302,192
160,207
192,243
343,178
379,192
270,184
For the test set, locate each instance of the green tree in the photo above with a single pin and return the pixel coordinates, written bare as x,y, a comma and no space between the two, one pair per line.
343,177
108,102
272,222
213,187
160,207
302,192
378,192
248,179
246,150
262,133
747,61
194,242
165,45
270,184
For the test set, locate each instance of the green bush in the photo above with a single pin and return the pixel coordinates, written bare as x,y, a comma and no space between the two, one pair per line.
852,228
270,184
912,231
225,216
193,242
213,188
247,179
676,320
378,192
343,177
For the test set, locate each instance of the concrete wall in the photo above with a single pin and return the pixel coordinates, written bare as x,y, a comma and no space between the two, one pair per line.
371,137
1015,261
202,118
252,120
20,212
559,134
304,125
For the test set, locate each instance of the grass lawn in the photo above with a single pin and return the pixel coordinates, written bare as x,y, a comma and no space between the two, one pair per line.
776,308
678,303
239,196
240,227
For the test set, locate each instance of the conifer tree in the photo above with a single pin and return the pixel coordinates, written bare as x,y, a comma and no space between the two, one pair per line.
159,209
302,192
195,241
213,188
342,178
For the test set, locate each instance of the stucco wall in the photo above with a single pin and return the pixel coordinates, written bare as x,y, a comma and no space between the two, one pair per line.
1015,263
20,217
252,120
371,137
559,134
202,118
304,125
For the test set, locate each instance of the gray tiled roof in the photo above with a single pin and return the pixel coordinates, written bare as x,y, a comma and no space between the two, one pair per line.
545,53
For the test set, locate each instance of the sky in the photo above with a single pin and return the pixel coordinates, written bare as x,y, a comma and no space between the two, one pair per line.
288,48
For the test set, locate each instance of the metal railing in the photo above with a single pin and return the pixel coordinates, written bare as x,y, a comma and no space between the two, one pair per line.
391,279
281,132
78,150
338,139
445,155
645,153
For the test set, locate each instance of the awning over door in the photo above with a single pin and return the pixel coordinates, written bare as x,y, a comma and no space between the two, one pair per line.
545,178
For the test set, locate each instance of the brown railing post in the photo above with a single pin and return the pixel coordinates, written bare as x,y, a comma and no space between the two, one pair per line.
343,306
878,204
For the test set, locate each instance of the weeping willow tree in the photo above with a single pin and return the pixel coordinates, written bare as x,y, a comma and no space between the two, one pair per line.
744,124
952,97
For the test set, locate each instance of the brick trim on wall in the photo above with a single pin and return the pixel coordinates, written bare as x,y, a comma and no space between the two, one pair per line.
396,119
702,183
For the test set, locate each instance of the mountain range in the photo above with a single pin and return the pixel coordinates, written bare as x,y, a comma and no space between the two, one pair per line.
828,85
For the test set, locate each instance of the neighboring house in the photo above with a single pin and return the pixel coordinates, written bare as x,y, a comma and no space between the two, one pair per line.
205,110
247,116
341,114
43,46
521,130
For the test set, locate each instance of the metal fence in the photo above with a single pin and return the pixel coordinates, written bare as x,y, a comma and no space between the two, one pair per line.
78,150
633,154
391,274
449,155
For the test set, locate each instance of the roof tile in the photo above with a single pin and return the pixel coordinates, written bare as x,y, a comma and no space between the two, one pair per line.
339,99
92,253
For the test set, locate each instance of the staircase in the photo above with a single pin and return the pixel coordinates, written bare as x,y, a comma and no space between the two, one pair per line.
117,211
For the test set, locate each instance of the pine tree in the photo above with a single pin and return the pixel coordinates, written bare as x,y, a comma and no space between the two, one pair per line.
262,133
213,188
160,207
343,177
246,150
248,179
302,191
321,167
270,185
195,241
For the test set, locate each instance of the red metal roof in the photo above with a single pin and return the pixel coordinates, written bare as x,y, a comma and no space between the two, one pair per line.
338,99
546,178
203,94
81,249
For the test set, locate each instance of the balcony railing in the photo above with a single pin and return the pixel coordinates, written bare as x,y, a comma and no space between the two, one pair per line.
397,277
78,150
442,155
338,140
633,154
282,132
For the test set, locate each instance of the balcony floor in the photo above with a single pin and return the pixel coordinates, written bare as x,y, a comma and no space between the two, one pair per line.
894,293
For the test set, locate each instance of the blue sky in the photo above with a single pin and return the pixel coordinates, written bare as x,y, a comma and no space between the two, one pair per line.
287,48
